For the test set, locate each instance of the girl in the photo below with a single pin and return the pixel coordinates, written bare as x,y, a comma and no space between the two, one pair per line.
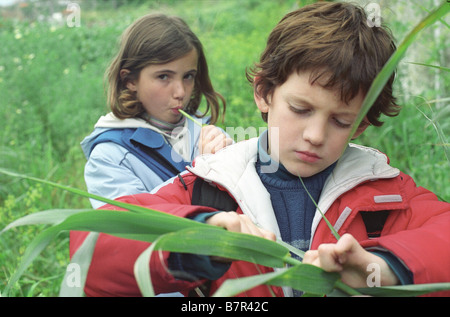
160,69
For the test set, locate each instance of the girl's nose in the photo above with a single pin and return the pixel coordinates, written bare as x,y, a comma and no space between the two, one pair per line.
179,91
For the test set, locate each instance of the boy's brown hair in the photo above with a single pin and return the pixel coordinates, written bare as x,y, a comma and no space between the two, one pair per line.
334,41
157,39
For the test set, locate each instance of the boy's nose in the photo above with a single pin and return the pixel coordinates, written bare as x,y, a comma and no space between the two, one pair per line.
315,132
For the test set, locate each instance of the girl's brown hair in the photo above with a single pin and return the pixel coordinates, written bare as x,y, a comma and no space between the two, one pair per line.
157,39
334,41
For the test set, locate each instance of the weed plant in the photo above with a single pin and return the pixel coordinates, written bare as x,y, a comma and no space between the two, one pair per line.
52,93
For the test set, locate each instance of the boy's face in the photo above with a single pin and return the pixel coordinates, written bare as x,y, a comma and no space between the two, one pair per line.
313,124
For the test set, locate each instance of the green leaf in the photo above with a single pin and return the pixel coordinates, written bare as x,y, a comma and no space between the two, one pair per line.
432,66
186,236
294,250
330,226
213,242
303,277
52,217
130,207
307,278
191,118
142,270
216,241
232,287
386,72
31,252
405,290
82,261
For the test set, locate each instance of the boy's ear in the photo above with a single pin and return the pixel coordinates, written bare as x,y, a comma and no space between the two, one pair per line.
130,84
260,102
362,127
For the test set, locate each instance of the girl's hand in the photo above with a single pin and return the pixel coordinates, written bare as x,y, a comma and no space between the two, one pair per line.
212,139
351,260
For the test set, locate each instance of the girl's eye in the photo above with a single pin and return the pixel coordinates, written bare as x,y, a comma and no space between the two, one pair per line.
189,76
163,76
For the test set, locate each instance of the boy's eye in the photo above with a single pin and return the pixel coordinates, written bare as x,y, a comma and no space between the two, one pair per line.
299,110
163,76
341,124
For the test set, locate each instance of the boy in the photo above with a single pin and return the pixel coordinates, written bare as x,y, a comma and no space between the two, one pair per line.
309,86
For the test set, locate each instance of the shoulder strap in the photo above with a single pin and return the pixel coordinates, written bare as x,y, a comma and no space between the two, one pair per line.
206,194
374,221
149,146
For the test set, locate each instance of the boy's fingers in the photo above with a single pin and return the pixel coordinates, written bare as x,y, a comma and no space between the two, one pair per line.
329,259
235,222
310,257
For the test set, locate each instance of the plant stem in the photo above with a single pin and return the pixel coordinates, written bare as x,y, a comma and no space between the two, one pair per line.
190,117
346,289
291,261
330,226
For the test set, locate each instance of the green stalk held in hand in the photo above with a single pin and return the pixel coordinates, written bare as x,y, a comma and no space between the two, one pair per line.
184,113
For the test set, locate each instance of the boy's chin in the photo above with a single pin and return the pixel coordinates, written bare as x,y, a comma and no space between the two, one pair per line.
302,171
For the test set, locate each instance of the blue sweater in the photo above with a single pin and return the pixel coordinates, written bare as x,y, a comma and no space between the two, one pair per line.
293,208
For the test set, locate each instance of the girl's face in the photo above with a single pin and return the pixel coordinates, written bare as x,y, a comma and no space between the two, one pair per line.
311,124
163,89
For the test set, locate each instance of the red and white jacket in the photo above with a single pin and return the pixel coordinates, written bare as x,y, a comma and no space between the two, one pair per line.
417,229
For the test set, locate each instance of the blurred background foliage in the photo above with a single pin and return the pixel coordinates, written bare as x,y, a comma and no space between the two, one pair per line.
52,93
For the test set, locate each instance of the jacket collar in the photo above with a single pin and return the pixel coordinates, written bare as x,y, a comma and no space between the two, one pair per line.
233,168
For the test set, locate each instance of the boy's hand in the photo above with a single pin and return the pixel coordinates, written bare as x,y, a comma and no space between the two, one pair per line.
232,221
351,260
212,139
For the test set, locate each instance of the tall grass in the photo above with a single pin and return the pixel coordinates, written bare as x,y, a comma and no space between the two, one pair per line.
52,94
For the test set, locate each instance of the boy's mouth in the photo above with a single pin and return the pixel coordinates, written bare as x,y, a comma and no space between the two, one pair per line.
308,157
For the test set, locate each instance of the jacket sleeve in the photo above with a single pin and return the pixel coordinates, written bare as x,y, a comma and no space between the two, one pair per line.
423,241
111,269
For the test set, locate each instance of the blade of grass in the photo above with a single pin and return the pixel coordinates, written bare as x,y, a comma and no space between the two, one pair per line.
213,243
191,118
187,236
303,277
79,192
53,216
405,290
236,286
432,66
142,270
31,252
82,259
385,73
294,250
330,226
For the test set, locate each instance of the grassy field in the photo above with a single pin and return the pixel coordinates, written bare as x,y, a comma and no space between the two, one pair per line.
52,93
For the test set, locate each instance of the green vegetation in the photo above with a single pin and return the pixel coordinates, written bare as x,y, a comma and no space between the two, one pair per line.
51,83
